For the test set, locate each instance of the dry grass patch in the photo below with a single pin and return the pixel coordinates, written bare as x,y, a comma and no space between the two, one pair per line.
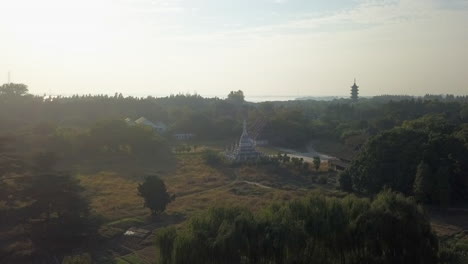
112,196
193,175
238,194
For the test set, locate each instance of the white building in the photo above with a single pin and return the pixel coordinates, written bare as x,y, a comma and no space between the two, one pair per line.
129,121
159,126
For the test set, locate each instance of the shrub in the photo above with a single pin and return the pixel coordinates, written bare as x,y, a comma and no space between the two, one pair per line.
153,190
322,179
212,158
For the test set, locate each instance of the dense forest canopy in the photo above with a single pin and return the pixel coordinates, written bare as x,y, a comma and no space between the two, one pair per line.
426,157
290,124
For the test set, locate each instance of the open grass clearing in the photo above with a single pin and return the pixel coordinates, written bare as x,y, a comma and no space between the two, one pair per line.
198,187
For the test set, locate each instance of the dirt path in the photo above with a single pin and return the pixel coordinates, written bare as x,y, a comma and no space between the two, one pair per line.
207,190
258,184
236,180
307,156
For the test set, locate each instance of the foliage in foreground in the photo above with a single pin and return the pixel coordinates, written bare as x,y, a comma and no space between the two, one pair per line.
389,229
44,213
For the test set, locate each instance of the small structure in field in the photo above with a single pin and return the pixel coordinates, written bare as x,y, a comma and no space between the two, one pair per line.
134,238
245,149
137,232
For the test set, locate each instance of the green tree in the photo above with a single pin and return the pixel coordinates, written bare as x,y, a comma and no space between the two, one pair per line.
442,192
317,162
212,157
153,190
14,89
462,134
115,137
54,214
236,96
9,161
346,183
423,182
165,241
59,213
464,113
388,159
403,229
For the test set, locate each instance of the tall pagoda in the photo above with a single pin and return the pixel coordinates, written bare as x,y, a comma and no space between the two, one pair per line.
354,91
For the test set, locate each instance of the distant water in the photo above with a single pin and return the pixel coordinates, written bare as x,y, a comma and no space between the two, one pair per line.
258,99
254,98
266,98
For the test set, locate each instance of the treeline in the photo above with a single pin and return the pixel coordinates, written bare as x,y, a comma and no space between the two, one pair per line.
426,158
432,97
342,120
104,143
110,138
288,124
207,118
318,229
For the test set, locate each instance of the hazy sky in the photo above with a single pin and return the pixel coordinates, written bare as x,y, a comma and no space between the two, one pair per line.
264,47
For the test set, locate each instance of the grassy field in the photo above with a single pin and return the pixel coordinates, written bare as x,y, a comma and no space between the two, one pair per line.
193,175
197,187
113,196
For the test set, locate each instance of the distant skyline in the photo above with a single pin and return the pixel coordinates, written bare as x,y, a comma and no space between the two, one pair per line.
264,47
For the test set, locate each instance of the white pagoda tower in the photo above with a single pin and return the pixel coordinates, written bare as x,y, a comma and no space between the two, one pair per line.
245,150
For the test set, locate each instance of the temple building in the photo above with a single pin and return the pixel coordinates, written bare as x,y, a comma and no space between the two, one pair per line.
354,91
245,150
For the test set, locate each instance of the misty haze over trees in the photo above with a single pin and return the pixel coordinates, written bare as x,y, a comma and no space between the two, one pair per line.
408,157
